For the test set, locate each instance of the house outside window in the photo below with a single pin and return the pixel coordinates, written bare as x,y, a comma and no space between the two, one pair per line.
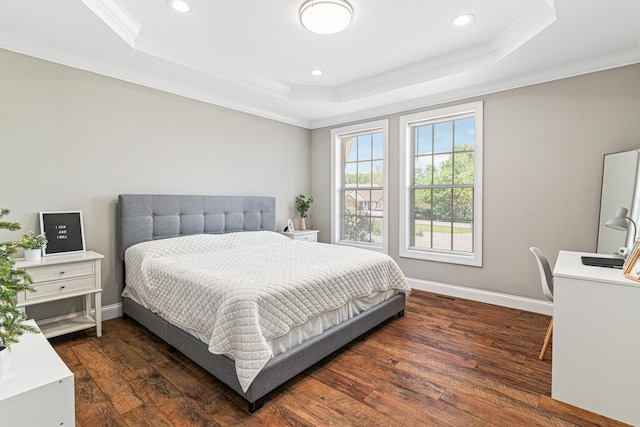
441,189
359,180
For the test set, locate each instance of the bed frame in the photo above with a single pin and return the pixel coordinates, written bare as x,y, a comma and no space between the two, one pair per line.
144,217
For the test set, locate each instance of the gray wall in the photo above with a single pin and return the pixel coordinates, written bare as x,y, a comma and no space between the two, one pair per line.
543,158
73,140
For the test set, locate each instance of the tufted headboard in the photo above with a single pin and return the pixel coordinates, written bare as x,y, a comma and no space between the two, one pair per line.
144,217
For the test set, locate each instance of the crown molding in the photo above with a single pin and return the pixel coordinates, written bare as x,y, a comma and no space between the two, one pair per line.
178,53
300,94
539,17
64,58
49,53
119,19
602,63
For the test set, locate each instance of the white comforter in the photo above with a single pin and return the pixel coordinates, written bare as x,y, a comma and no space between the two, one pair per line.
244,289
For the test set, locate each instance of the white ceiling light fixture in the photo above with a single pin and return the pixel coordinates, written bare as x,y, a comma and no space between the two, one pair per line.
326,16
462,20
179,5
316,72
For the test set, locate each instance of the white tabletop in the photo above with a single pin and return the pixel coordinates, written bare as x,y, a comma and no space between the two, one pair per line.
59,259
33,363
569,264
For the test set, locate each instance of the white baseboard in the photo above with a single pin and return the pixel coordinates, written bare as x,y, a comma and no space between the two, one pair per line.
112,311
505,300
489,297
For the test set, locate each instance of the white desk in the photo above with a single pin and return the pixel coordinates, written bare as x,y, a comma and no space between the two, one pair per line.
596,339
38,389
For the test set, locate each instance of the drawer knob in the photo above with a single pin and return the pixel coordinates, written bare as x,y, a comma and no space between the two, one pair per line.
61,271
62,287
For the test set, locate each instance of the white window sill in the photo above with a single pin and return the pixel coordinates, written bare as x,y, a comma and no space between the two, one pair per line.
375,248
474,260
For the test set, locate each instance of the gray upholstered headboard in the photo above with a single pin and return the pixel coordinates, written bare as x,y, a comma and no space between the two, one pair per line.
146,217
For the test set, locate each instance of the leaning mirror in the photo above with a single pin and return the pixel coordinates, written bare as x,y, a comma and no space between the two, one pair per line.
619,189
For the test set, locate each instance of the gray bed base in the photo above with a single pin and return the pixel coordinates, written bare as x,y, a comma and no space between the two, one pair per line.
150,217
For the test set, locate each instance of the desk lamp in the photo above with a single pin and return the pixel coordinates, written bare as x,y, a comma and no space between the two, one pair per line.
619,222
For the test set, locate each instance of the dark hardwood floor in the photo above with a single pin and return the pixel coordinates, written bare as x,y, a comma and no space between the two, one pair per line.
447,362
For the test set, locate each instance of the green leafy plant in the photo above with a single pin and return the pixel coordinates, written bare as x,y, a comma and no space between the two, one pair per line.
12,281
33,241
303,204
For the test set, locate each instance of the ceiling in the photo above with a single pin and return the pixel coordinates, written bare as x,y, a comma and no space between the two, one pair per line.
254,56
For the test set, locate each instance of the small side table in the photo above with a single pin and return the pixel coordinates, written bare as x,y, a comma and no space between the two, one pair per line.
59,277
302,235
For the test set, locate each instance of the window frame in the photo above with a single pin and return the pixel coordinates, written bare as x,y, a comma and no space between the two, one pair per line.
406,123
337,161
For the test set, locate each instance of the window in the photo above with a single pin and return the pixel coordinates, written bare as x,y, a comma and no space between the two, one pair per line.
441,189
359,179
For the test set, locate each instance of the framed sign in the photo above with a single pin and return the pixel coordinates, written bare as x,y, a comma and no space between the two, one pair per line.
64,232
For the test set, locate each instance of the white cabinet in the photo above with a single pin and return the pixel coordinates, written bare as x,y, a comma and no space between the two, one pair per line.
65,276
302,235
596,344
38,389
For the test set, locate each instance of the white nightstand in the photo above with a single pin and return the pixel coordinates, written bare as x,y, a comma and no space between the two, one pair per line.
59,277
302,235
38,389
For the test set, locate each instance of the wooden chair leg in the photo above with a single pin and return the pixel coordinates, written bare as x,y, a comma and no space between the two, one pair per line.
547,339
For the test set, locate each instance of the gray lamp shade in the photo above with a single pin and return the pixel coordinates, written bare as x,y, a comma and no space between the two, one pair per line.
619,222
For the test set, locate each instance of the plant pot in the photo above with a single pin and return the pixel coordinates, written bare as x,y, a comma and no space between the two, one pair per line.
32,254
303,226
5,358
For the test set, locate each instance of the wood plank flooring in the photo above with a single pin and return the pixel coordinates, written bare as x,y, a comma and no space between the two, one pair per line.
447,362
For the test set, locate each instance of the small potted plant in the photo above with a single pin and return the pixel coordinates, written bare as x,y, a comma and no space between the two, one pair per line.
12,281
33,245
302,206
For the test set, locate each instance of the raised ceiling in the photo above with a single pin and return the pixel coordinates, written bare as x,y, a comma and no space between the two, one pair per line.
254,56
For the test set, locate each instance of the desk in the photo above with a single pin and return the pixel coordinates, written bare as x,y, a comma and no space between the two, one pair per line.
596,339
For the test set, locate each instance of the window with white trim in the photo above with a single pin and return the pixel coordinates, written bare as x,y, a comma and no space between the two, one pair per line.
441,185
359,180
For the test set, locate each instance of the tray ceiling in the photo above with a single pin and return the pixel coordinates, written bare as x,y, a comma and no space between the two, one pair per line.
254,56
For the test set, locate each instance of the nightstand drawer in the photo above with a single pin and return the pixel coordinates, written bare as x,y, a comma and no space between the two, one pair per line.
60,287
63,271
307,237
302,235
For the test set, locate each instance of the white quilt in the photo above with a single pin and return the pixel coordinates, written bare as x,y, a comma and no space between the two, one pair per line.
244,289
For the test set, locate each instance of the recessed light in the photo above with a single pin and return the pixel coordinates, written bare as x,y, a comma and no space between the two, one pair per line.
180,5
316,72
462,20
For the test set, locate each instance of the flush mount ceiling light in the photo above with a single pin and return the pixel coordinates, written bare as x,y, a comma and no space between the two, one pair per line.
326,16
462,20
315,72
179,5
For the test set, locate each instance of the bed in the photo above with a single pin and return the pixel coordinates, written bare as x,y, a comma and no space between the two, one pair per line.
176,238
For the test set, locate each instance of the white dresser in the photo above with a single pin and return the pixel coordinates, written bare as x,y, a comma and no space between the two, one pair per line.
596,339
59,277
38,389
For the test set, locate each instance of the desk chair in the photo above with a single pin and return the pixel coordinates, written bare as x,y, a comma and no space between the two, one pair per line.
546,277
